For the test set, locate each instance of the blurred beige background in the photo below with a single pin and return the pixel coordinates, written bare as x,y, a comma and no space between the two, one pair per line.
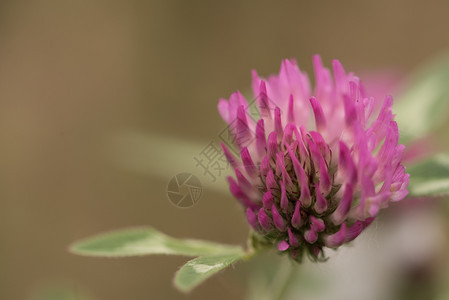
73,73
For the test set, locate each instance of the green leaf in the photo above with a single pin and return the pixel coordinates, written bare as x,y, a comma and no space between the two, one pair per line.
197,270
145,241
430,177
423,106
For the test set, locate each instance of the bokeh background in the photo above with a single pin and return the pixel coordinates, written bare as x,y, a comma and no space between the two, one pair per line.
86,84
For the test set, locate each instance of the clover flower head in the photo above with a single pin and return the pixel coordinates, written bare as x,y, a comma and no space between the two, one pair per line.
316,165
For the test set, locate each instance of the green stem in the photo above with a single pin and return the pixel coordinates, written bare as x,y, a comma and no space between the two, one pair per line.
282,280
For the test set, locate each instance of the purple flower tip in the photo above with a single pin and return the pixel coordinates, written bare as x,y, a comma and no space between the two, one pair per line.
251,217
319,163
283,245
279,222
264,220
